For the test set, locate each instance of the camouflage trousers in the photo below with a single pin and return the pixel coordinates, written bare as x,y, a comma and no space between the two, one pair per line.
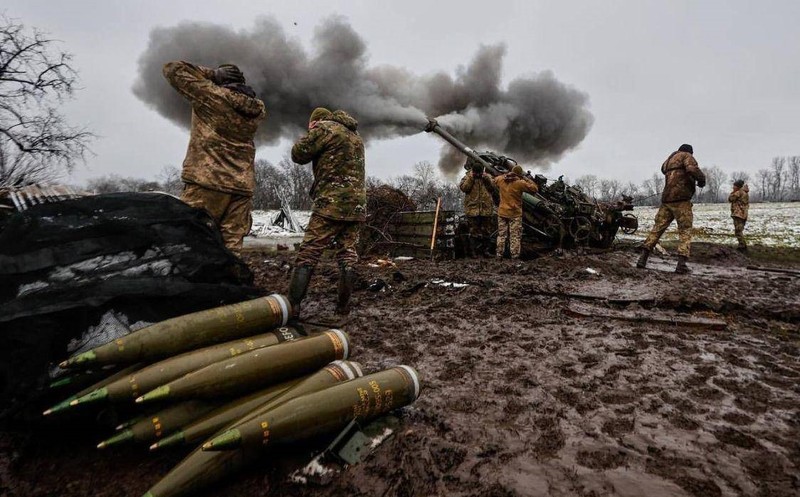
509,229
738,230
321,233
231,212
680,212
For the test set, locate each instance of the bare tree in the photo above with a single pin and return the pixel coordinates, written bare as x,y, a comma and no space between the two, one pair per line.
115,183
764,182
715,178
36,141
588,184
777,178
794,177
170,180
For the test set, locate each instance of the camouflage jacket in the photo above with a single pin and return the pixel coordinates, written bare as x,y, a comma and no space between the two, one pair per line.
740,202
511,189
478,199
337,153
224,122
681,172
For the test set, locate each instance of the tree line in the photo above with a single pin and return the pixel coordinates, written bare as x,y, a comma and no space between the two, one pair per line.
287,183
780,182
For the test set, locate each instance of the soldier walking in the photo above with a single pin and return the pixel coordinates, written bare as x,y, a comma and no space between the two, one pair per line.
681,173
740,204
479,192
339,198
509,214
218,173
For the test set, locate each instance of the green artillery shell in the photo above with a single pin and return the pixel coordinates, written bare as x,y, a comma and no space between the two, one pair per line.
256,369
161,423
189,332
209,424
65,404
148,378
325,411
201,469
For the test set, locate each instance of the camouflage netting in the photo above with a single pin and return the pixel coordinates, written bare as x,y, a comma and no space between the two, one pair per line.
383,204
86,270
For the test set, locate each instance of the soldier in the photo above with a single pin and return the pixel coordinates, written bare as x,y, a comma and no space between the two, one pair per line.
218,172
509,214
479,189
740,204
339,201
681,173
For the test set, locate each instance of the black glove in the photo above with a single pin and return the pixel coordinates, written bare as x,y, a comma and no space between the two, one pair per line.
226,74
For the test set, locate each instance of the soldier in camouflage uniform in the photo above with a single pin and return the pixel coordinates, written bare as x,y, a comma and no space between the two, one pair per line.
339,201
740,204
479,193
681,174
218,172
509,213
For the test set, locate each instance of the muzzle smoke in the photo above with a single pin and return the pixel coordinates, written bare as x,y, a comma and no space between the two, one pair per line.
534,119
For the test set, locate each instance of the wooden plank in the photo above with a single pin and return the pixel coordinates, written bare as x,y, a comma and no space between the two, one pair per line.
646,317
774,270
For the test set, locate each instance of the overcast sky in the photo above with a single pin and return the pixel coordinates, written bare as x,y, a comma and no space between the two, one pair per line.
722,75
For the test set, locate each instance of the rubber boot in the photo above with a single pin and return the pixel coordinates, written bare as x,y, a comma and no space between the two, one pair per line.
682,268
347,279
298,286
642,262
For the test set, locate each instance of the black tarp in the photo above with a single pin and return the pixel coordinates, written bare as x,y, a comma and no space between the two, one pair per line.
64,265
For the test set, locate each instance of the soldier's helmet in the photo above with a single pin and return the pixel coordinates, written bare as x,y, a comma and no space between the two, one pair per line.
738,183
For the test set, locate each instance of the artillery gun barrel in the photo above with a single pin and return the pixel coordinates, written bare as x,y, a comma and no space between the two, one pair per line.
434,127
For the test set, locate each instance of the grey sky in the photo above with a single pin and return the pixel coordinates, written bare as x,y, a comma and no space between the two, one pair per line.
721,75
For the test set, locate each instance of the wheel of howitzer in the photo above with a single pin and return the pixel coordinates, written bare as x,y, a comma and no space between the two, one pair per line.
580,228
629,223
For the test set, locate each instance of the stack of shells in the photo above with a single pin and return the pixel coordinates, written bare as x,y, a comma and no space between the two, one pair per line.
234,382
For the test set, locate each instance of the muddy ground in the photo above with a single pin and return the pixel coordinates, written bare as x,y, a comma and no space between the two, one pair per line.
522,397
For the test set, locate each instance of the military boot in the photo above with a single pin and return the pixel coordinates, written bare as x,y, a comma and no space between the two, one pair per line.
642,262
298,286
347,279
682,268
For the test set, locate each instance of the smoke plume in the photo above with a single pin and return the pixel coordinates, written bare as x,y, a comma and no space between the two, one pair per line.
534,119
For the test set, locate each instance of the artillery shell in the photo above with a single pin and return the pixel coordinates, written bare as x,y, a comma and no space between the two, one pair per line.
256,369
148,378
201,469
65,404
189,332
323,412
161,423
209,424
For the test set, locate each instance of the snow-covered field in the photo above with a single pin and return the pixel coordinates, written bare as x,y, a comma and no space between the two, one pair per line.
770,224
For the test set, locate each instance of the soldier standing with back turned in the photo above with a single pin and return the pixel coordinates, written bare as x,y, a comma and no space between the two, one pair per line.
339,201
478,207
681,173
740,204
509,214
218,173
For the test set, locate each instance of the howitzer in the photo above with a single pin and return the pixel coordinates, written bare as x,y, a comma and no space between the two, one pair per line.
559,215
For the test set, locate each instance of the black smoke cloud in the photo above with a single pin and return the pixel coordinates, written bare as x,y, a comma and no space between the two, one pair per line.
535,119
